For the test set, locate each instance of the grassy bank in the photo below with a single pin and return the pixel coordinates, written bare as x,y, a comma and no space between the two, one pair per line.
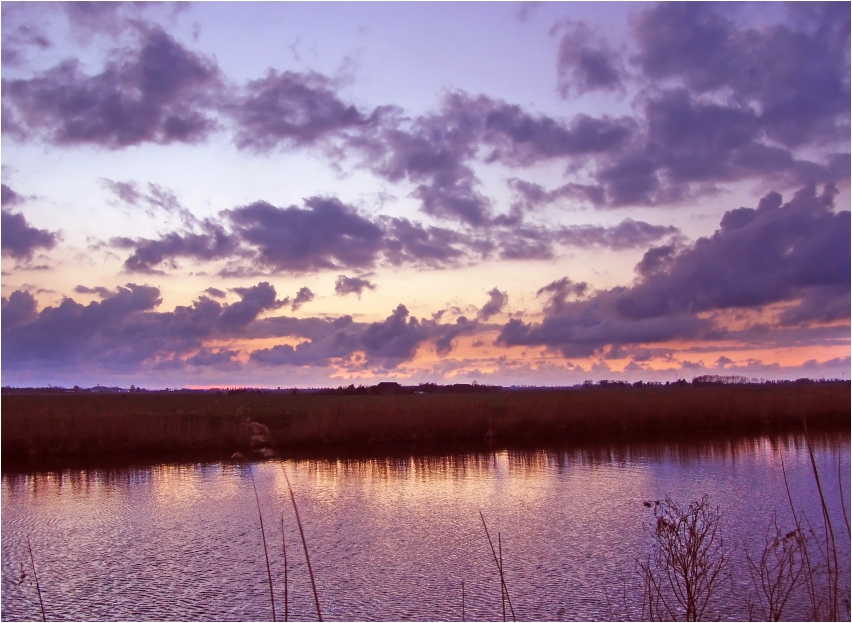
44,430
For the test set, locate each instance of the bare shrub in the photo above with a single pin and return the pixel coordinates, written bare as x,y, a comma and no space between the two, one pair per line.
779,570
685,567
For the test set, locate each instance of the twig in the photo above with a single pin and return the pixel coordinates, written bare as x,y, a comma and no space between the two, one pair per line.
503,588
263,536
304,544
35,575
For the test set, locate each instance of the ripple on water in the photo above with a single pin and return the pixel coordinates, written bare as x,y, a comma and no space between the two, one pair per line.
388,539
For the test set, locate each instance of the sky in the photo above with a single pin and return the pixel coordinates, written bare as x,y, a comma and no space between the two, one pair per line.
325,194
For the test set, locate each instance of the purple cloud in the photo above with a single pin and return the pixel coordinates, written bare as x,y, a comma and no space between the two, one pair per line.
796,73
292,109
253,301
155,93
19,239
352,285
124,329
304,295
585,62
325,234
386,344
796,253
496,301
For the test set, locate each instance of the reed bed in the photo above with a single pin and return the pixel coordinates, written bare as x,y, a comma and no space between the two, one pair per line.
69,430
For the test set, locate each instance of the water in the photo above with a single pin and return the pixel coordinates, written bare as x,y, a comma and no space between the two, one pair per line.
393,539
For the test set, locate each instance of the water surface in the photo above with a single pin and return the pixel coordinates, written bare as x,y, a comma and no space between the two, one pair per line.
392,539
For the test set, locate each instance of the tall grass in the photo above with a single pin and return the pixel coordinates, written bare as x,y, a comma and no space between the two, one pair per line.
263,537
50,430
498,560
35,576
286,579
304,544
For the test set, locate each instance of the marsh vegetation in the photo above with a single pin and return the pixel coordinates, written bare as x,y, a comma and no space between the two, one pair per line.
54,430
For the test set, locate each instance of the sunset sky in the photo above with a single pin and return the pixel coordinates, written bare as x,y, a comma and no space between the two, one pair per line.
322,194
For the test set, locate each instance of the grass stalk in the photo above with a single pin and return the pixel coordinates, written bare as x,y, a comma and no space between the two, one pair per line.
35,575
284,547
263,537
842,501
304,544
502,585
830,543
810,585
462,601
504,591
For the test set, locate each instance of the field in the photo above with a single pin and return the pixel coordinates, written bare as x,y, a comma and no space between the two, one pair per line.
48,430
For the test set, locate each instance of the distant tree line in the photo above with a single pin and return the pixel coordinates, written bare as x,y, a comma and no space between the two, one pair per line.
391,387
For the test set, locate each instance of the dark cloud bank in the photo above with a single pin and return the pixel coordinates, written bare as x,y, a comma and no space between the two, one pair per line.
796,253
123,331
328,234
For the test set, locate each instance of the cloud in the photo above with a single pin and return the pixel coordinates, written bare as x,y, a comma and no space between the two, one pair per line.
352,285
691,145
18,41
113,330
326,234
125,331
776,252
526,9
796,73
155,93
99,290
585,62
435,151
222,358
628,234
559,291
18,309
292,109
533,195
496,302
19,239
155,198
9,197
211,243
385,344
414,243
253,301
520,138
796,253
304,295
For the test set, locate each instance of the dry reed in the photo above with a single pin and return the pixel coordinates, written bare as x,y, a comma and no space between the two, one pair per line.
504,591
304,544
57,430
35,576
263,536
286,583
